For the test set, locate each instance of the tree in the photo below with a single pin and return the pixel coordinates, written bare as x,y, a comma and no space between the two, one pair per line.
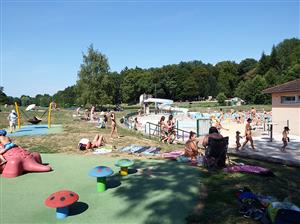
246,65
272,77
221,97
251,90
274,60
3,97
264,64
227,77
94,85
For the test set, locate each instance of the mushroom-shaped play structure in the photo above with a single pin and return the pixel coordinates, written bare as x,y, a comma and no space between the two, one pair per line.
61,200
101,172
124,164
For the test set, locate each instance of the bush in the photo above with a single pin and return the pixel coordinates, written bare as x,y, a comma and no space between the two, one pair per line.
221,98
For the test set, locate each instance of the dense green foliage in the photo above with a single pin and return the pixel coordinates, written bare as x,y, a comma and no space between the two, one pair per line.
221,98
185,81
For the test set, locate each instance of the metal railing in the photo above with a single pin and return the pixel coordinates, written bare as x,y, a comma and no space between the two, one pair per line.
152,129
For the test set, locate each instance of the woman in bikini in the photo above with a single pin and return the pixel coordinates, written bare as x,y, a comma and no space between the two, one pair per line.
113,125
191,147
248,135
163,129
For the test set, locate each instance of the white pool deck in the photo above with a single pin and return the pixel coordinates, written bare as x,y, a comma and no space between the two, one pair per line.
266,150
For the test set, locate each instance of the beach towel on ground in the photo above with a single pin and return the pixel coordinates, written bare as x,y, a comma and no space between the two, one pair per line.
127,148
172,154
153,150
248,169
142,149
138,149
102,151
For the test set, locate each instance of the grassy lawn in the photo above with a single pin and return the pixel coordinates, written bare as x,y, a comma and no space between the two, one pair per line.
215,203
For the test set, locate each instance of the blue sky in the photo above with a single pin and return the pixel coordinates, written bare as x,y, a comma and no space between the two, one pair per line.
42,41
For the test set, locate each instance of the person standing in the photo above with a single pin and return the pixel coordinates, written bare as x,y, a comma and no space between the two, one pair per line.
285,138
113,125
12,118
248,134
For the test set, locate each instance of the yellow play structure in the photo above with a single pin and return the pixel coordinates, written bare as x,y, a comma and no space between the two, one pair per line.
33,120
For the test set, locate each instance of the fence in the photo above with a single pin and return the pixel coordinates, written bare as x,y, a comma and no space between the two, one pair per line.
155,131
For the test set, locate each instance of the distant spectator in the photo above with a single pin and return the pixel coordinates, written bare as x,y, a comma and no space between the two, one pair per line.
12,118
113,125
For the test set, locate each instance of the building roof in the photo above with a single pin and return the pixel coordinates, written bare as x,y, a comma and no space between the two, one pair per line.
291,86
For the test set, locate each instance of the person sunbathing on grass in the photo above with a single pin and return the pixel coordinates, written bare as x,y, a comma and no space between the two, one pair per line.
97,142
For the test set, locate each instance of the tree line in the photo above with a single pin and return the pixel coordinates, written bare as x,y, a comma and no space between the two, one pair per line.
186,81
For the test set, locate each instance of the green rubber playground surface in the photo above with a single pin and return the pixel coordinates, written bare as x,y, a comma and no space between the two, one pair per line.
154,192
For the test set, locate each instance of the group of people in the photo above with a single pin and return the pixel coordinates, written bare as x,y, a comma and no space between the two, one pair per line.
99,140
192,144
167,129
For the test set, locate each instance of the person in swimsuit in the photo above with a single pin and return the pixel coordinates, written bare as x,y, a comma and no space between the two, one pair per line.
285,138
7,145
248,135
163,129
97,142
238,138
191,147
113,125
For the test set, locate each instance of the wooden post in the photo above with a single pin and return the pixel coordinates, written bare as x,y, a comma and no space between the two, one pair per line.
49,115
271,134
18,113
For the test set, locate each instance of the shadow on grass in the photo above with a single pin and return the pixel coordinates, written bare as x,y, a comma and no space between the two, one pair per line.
165,191
78,208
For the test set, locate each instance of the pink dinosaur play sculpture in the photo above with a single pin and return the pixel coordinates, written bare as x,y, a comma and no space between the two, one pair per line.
20,160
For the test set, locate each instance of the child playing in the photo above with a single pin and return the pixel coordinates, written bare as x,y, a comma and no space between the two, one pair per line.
285,138
238,137
7,145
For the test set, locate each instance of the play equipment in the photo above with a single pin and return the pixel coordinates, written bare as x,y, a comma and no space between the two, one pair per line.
165,105
101,172
31,130
124,164
20,161
35,119
61,200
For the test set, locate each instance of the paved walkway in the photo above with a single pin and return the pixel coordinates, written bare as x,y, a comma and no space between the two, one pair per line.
270,151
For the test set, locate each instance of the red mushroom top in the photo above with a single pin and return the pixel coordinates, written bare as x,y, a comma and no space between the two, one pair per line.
61,199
